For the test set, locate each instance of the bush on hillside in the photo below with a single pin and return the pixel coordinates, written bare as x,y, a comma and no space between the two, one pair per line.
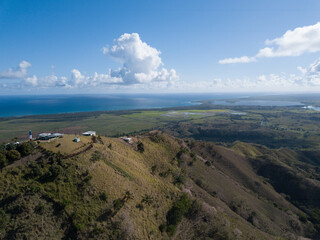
13,155
11,146
140,147
154,169
3,160
103,196
175,215
118,204
180,179
25,149
147,199
195,209
4,219
39,209
96,156
52,174
3,148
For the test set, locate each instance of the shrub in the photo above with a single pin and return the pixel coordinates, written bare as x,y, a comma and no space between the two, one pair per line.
218,233
3,160
52,174
315,216
39,209
103,196
87,178
25,149
199,182
156,138
179,209
4,219
140,147
303,218
127,196
35,171
171,230
105,215
100,139
118,204
139,206
11,146
153,169
96,156
180,179
3,148
195,209
147,199
162,227
13,155
181,152
165,174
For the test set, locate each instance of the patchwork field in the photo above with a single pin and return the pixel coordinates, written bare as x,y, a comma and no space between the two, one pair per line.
272,126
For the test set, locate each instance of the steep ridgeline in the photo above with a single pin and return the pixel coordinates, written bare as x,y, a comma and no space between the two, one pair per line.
158,187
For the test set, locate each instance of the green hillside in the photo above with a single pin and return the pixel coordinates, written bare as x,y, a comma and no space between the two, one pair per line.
158,187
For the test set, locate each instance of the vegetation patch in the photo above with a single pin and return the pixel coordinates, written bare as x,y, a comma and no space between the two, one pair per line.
179,209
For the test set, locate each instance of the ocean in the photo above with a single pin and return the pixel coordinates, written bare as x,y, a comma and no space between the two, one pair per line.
52,104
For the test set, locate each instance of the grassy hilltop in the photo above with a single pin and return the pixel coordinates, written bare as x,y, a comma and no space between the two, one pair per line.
158,187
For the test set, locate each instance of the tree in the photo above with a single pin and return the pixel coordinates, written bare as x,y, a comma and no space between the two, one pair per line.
3,161
13,155
128,195
3,148
179,209
140,147
11,146
147,199
25,148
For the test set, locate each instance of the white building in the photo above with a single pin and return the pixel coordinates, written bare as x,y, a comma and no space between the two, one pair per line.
127,139
89,133
47,136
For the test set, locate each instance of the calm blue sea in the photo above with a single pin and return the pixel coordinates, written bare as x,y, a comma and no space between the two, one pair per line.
50,104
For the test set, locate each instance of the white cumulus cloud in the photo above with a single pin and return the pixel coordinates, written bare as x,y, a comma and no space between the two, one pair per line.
141,67
46,81
140,62
244,59
309,78
312,73
294,42
17,73
80,80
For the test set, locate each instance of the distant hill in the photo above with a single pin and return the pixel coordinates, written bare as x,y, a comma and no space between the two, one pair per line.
159,187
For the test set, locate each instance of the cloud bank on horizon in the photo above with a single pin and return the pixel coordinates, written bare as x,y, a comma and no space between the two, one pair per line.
309,77
141,64
291,44
142,69
19,72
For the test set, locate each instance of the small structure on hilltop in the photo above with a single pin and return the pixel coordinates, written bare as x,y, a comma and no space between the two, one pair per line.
127,139
77,139
30,135
48,136
89,133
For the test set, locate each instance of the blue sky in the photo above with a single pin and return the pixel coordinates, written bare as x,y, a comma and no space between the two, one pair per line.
57,37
